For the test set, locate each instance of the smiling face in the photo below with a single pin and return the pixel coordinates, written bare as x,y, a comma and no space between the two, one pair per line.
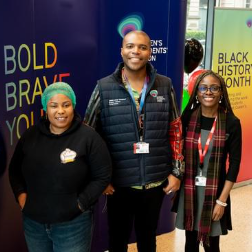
135,51
209,94
60,113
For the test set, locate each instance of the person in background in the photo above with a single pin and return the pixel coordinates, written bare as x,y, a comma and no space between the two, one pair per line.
135,111
212,136
58,170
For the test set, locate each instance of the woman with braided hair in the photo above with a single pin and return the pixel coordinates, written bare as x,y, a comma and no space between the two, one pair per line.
212,136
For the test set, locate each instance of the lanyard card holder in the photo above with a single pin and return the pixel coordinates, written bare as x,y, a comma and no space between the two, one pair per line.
200,180
141,148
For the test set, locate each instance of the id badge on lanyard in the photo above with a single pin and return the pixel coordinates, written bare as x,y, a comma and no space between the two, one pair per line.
201,180
139,147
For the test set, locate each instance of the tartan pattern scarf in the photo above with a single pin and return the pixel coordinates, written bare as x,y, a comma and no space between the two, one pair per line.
214,166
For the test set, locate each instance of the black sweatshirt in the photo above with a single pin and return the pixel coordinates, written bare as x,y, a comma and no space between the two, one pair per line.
59,171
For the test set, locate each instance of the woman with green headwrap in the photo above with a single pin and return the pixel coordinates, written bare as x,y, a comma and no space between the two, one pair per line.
58,170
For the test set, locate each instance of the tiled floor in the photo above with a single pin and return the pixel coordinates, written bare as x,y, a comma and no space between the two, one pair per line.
238,240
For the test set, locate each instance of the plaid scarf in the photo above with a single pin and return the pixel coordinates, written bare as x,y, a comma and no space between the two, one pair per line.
214,166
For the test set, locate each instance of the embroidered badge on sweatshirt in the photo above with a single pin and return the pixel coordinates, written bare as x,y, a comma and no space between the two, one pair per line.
67,156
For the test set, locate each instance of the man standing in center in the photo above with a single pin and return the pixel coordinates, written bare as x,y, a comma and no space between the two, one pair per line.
135,111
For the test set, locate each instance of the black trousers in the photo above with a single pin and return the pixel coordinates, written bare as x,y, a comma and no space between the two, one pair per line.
192,244
129,207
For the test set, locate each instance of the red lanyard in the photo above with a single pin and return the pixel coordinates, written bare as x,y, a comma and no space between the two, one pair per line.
209,138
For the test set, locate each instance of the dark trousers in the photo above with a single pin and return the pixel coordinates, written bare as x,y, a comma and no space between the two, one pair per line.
192,244
129,207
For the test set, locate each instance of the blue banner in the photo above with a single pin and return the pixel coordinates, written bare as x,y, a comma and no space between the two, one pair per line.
44,41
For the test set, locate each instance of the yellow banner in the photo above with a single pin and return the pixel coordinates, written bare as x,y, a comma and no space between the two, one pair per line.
232,59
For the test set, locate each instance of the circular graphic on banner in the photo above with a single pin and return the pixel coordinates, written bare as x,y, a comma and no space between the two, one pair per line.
130,23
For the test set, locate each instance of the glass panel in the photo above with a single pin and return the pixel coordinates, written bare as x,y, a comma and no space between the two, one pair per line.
195,29
196,22
234,3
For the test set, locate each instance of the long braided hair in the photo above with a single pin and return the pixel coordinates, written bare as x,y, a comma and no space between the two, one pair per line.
191,120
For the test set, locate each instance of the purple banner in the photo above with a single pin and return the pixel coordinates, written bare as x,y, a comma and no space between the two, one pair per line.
44,41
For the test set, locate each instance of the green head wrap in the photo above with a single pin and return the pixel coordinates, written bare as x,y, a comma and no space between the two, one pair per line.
57,88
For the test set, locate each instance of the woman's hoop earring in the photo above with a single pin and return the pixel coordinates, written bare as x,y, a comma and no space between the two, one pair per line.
197,100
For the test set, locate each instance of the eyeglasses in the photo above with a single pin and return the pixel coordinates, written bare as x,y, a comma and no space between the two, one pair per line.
214,89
